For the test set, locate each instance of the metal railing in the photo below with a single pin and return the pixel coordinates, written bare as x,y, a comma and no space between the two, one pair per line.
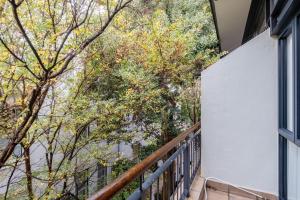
170,179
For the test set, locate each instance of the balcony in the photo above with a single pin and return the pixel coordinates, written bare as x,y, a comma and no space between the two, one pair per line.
174,172
167,173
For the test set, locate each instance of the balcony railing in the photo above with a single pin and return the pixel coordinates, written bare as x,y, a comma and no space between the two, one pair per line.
175,165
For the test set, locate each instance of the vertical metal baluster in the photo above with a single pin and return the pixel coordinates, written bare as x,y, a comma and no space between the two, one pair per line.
177,176
141,186
150,191
193,156
193,149
173,181
180,173
157,192
195,163
196,154
197,150
186,172
169,186
191,159
200,149
169,191
182,168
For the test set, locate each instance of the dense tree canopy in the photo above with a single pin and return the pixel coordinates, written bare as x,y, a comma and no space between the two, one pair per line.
78,77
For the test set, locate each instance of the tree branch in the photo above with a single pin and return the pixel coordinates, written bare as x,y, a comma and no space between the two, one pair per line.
71,28
19,24
11,52
10,177
73,53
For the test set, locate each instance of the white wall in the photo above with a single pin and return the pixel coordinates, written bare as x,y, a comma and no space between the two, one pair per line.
239,116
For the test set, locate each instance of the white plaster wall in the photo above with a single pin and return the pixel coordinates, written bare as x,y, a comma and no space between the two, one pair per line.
239,116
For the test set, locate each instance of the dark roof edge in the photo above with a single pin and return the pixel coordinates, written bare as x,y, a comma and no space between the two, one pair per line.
255,19
213,10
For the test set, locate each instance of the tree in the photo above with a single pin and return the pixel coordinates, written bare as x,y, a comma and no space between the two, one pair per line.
39,41
154,65
76,94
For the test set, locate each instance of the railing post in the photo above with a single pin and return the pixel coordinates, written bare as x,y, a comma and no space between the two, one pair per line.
200,149
186,169
141,186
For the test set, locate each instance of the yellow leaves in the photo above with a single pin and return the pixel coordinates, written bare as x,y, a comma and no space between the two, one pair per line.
3,20
120,22
2,7
79,31
4,55
44,53
130,92
26,142
2,2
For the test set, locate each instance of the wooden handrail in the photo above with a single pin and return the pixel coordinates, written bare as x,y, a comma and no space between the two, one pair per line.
114,187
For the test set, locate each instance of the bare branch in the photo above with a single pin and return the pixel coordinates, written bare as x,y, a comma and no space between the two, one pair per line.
71,28
16,16
71,55
10,178
11,52
32,73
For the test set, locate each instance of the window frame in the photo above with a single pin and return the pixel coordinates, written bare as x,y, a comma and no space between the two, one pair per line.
296,23
282,168
282,73
292,27
101,176
281,13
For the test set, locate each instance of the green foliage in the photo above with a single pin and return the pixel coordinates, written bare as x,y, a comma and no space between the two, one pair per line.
138,82
120,167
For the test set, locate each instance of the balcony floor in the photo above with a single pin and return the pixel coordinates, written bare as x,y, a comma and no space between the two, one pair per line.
197,187
219,191
219,195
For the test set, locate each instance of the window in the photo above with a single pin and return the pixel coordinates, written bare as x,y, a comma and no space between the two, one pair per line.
286,85
82,184
289,71
285,24
101,176
297,77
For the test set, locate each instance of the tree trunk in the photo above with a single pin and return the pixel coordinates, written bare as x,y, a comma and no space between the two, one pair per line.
168,133
28,172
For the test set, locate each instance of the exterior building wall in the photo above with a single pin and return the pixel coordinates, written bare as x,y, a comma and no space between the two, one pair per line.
240,116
